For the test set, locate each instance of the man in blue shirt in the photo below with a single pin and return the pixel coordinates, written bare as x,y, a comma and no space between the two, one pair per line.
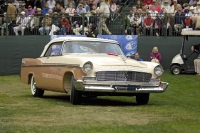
45,9
137,56
80,9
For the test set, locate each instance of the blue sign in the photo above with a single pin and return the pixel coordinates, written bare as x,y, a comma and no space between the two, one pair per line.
128,43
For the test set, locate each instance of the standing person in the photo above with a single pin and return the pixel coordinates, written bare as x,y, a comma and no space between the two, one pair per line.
155,55
104,13
137,56
196,48
11,11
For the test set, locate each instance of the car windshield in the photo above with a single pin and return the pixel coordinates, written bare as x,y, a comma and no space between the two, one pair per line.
91,47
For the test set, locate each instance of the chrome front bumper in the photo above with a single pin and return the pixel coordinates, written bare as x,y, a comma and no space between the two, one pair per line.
121,87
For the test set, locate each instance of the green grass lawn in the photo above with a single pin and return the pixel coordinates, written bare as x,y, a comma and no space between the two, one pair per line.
175,111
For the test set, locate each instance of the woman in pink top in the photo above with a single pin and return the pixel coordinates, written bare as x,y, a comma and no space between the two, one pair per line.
155,55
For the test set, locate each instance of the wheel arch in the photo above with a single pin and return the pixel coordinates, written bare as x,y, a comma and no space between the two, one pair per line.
29,77
175,64
67,81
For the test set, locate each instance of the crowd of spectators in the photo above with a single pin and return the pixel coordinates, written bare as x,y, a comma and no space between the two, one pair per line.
50,17
61,17
162,17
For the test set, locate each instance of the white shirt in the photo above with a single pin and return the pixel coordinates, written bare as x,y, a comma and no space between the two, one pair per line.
22,20
130,17
32,22
153,13
51,4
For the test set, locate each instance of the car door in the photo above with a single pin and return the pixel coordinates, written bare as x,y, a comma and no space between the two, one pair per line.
51,76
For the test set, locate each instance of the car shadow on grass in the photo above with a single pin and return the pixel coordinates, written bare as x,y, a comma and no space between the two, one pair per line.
99,101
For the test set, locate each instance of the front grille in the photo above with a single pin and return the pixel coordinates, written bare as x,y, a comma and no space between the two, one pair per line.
123,76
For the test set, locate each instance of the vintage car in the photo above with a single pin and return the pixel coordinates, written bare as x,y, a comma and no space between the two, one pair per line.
83,66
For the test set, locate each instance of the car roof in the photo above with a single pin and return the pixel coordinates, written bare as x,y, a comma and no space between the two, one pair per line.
190,32
71,38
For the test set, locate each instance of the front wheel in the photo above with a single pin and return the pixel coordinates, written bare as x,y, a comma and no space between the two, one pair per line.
36,92
175,70
142,99
75,97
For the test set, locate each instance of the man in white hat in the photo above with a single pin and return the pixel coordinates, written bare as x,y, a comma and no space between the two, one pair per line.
21,24
191,11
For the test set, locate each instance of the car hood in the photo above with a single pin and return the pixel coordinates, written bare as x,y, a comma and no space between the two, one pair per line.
106,60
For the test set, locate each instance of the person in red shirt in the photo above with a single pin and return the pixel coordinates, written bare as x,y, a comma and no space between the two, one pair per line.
188,21
148,25
148,2
65,25
157,7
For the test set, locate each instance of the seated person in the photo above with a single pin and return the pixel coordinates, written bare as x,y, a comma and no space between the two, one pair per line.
33,24
46,24
137,56
55,24
21,24
92,31
196,48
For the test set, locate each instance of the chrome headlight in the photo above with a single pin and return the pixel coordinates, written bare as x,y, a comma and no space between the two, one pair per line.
158,70
87,67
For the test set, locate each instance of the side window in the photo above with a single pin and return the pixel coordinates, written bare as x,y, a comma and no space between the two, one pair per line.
54,50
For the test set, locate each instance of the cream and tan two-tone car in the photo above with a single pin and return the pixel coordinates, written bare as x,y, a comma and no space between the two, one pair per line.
82,66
